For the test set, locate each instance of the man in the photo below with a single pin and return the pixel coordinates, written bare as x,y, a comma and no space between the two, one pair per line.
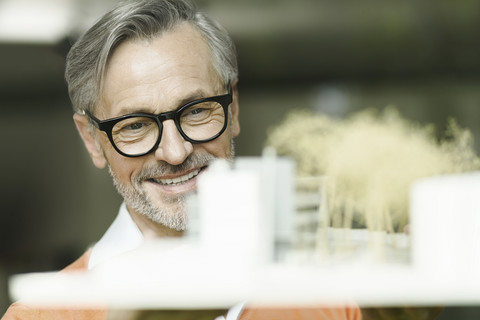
154,89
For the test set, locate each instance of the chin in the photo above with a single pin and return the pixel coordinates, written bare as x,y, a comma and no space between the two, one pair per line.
172,216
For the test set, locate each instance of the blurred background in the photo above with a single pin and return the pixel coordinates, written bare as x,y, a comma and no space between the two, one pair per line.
336,57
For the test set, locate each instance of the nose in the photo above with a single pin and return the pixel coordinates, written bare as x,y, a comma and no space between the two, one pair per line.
173,149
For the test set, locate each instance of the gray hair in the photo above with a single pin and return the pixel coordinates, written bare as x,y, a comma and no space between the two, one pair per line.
142,19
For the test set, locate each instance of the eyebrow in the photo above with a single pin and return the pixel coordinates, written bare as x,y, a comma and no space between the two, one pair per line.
195,95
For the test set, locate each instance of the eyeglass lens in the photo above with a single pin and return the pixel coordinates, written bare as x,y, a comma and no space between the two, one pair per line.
199,122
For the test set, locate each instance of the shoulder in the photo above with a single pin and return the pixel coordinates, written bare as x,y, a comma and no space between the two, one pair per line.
298,313
26,312
18,311
81,264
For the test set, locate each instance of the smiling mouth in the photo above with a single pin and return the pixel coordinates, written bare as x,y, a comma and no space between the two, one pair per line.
177,180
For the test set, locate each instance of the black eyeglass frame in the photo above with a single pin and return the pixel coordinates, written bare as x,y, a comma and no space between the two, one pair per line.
107,125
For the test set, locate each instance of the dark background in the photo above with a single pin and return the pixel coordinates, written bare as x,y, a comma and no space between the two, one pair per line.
337,57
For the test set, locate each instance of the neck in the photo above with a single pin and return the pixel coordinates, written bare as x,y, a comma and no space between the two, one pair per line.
151,229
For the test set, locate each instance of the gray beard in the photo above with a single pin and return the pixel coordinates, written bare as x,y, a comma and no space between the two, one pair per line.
137,199
174,214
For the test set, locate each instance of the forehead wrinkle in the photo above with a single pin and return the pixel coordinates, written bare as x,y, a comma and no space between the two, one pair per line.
169,69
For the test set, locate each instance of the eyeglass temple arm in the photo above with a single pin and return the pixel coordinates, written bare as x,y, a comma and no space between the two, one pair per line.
91,117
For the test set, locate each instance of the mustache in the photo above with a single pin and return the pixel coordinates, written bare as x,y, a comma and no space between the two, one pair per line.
160,169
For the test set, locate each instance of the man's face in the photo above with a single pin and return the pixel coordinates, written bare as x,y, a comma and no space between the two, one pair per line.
155,77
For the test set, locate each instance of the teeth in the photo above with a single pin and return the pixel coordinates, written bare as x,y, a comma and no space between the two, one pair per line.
178,180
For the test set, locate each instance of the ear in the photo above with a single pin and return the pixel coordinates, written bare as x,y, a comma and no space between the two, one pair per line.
234,110
96,153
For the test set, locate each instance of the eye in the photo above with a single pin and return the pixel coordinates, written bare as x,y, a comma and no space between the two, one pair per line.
134,126
199,111
196,111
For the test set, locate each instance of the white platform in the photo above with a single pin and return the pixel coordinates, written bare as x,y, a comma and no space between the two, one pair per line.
445,252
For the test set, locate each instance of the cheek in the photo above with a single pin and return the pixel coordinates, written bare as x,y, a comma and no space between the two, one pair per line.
122,167
220,147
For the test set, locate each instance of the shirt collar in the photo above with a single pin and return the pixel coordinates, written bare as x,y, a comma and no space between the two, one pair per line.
122,236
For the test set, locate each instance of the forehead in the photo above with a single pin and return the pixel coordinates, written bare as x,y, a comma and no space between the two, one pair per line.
152,74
